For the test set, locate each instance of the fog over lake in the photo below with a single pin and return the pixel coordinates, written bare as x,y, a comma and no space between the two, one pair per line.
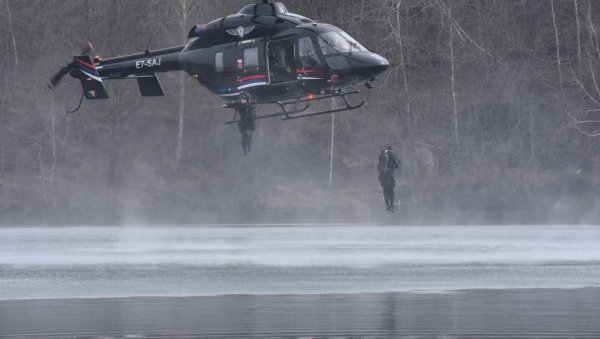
301,259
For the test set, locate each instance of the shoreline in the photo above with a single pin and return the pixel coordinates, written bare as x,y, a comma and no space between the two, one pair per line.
293,225
317,294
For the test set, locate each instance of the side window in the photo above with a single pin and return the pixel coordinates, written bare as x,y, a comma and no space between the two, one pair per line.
308,54
251,58
219,62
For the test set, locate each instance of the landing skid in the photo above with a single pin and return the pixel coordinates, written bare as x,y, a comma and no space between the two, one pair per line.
290,109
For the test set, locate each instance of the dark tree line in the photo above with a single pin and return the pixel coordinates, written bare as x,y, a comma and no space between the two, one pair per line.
493,105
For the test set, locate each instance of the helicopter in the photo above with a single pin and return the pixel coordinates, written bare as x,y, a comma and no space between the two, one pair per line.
262,55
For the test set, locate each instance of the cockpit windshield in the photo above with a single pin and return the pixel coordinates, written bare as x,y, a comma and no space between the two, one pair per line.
339,41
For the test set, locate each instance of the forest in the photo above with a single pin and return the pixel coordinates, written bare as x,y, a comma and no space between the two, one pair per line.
492,105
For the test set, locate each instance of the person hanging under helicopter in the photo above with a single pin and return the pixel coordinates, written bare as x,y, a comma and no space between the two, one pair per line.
247,112
388,162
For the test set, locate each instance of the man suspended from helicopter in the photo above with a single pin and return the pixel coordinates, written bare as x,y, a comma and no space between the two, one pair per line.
247,111
388,162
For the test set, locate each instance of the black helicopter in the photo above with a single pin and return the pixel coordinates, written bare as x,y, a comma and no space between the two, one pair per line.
261,55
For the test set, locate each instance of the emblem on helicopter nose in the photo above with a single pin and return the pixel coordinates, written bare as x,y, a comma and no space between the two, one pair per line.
241,31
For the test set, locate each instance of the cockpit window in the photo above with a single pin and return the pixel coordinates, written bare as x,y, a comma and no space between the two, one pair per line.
326,48
355,44
339,41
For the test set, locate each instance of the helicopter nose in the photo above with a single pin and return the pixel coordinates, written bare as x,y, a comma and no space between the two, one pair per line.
378,64
367,65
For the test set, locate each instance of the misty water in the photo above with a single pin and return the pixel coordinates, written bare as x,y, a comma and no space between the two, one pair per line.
90,262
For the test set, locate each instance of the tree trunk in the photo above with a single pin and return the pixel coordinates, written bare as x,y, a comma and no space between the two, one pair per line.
560,78
181,111
589,19
114,181
332,143
2,134
452,74
400,45
578,31
593,36
53,168
12,35
531,127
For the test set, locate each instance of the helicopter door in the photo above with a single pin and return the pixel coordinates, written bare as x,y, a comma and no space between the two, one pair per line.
282,65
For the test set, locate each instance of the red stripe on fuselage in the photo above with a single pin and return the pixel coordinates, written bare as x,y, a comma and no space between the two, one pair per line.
91,66
252,77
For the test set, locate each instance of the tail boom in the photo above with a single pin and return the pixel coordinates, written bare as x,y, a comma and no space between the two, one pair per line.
138,65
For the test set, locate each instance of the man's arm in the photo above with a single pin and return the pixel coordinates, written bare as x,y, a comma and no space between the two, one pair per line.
396,161
380,162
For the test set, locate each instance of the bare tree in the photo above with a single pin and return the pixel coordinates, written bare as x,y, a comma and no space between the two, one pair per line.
12,35
451,32
578,32
182,10
2,167
560,77
587,120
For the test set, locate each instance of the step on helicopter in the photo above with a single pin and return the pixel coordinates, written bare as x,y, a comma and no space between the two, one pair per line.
261,55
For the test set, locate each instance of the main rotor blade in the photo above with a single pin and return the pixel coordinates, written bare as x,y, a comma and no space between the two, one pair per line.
89,49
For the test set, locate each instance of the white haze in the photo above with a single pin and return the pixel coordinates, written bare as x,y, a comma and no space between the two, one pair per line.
90,262
299,246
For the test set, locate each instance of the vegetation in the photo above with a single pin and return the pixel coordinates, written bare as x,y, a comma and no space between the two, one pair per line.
504,95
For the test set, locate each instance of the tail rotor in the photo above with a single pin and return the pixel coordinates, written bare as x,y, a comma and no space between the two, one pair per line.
57,77
55,80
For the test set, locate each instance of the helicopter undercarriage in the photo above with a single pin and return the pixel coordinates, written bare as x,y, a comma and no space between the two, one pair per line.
295,108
